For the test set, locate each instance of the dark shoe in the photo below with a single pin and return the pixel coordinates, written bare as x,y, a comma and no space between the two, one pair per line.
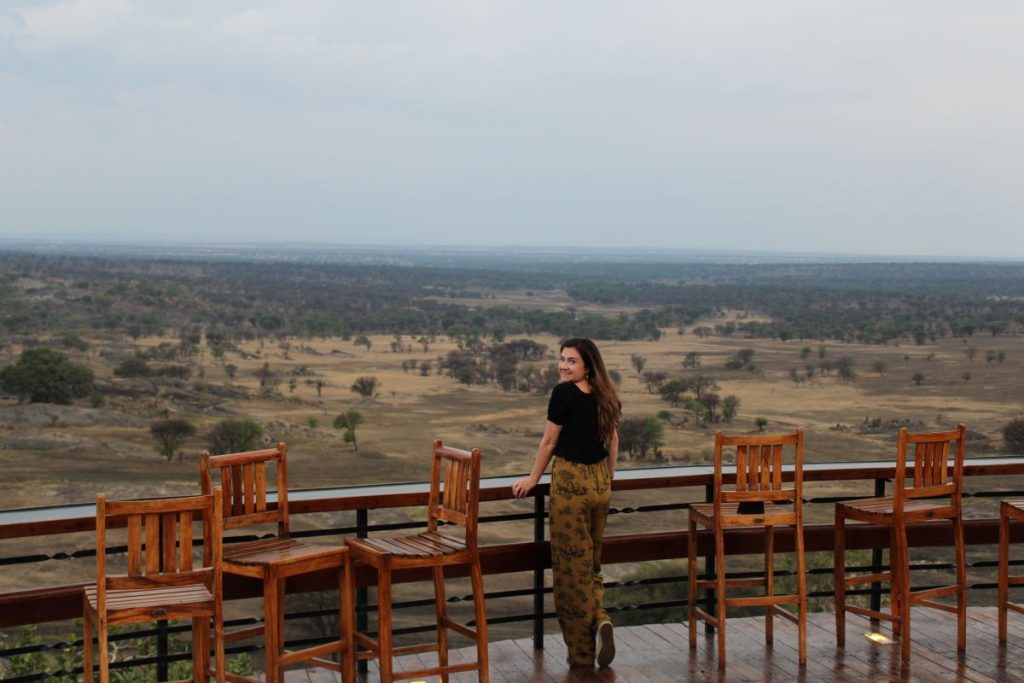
605,643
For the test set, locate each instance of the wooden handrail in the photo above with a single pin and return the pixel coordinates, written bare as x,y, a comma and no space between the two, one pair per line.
28,522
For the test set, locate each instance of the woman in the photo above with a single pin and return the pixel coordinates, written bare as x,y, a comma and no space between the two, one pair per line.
582,434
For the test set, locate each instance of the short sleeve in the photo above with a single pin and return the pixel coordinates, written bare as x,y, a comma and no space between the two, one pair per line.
558,405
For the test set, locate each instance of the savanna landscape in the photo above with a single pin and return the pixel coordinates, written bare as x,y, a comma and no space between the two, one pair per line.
358,361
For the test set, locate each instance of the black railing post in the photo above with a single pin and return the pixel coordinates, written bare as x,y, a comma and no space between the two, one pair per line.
162,673
538,571
709,568
362,593
876,558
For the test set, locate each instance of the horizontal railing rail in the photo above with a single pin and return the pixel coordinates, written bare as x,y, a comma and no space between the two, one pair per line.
62,602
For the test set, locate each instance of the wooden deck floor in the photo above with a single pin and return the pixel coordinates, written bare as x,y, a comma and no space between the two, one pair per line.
658,654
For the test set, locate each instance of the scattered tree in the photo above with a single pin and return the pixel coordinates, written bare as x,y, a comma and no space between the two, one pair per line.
638,362
638,435
170,435
366,386
691,360
762,422
673,390
879,367
235,436
918,378
730,407
1013,436
653,380
703,383
44,375
133,367
231,370
349,421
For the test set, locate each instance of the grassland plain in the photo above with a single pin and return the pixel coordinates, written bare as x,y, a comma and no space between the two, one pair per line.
53,455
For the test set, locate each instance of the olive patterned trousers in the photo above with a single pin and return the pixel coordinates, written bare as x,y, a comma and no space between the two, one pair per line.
580,498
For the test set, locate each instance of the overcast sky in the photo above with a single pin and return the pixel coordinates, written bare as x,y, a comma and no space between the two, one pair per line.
853,127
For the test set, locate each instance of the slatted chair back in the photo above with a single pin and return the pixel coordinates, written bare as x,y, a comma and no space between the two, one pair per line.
247,480
455,489
938,465
159,543
759,463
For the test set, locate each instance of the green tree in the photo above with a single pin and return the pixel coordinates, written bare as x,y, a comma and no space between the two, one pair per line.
170,434
918,378
762,422
730,407
44,375
349,421
1013,436
638,435
366,386
235,436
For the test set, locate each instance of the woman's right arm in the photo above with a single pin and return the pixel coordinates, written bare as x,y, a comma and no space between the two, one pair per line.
547,447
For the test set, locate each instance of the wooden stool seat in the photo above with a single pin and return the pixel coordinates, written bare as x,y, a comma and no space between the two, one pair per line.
1011,510
879,510
754,501
246,478
426,545
938,469
173,602
773,514
281,551
454,498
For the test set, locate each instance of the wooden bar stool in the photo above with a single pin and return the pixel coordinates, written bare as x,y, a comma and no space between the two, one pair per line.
756,501
160,582
1009,510
454,499
934,476
245,479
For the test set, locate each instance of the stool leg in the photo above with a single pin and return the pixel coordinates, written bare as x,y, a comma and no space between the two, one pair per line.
480,609
894,582
839,576
1004,571
101,647
769,583
904,565
346,623
200,649
961,583
270,627
691,564
720,590
441,608
801,586
384,639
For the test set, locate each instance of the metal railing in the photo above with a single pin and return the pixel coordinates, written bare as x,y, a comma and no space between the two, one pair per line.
355,505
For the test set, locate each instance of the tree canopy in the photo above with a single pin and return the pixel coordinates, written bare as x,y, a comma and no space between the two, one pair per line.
44,375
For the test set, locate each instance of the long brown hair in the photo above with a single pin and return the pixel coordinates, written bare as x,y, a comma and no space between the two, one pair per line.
609,409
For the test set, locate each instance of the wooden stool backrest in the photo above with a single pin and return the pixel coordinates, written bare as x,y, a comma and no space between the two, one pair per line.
932,475
159,543
454,489
759,467
247,479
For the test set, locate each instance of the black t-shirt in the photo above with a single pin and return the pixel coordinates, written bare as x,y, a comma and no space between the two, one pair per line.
576,413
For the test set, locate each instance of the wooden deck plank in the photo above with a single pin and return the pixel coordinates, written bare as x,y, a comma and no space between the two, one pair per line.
658,653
